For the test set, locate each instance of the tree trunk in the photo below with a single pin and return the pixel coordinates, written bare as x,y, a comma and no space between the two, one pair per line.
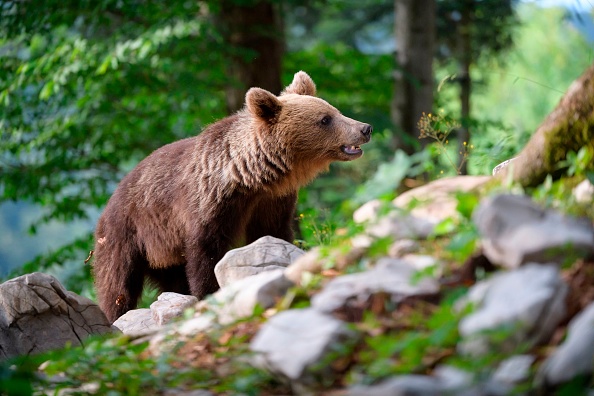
413,91
568,128
253,29
465,49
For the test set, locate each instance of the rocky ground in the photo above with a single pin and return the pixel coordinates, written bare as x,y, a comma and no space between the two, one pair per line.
437,292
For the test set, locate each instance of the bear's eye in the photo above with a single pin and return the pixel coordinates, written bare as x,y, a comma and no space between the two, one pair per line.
326,120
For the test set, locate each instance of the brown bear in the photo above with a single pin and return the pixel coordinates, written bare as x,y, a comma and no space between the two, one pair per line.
175,215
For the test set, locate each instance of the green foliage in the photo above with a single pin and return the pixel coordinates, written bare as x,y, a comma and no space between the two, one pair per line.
405,344
87,91
78,109
439,127
580,163
523,89
104,366
317,226
388,176
18,375
559,193
464,242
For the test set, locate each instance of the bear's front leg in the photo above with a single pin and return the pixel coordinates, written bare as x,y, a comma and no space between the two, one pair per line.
203,252
272,216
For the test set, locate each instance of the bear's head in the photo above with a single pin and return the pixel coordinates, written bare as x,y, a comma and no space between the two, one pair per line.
307,127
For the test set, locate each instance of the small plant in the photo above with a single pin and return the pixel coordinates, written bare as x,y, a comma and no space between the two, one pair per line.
580,163
316,228
412,338
113,366
439,127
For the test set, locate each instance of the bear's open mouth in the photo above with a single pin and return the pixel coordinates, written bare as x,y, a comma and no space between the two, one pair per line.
351,150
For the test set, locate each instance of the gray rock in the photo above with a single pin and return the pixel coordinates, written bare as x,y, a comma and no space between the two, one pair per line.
584,192
195,325
436,201
403,246
267,253
37,314
184,392
315,261
403,385
368,211
513,370
515,230
397,224
575,356
421,262
294,341
170,305
453,380
529,302
167,338
143,321
137,322
393,276
311,262
239,299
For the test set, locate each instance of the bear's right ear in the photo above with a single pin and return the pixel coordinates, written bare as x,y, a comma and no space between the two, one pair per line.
302,85
263,104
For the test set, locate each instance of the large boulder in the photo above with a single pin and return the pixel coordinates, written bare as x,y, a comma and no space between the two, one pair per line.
437,200
37,314
575,356
293,342
515,230
395,277
265,254
239,299
528,302
431,204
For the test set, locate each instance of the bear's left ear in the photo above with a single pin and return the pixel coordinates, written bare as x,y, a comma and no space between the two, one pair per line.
302,85
263,104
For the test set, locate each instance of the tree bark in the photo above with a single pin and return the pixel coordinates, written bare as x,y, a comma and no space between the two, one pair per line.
465,44
413,90
253,29
568,128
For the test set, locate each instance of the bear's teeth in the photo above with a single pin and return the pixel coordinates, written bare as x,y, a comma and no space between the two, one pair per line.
351,150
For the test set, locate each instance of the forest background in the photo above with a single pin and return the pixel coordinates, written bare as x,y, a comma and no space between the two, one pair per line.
88,88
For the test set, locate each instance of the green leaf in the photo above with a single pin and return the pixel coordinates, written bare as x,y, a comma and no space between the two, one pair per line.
463,244
444,227
47,90
104,65
466,203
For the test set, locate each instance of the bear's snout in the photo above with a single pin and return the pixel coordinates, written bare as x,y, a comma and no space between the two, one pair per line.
366,131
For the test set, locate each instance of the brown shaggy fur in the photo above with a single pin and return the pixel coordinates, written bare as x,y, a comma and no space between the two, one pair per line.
179,211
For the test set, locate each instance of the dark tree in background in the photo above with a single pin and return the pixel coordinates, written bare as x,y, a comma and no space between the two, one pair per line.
414,80
254,31
467,30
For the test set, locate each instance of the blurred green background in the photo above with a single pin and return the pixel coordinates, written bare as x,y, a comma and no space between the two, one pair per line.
88,88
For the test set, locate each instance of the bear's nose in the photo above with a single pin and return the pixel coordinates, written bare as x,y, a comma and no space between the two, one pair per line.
366,131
